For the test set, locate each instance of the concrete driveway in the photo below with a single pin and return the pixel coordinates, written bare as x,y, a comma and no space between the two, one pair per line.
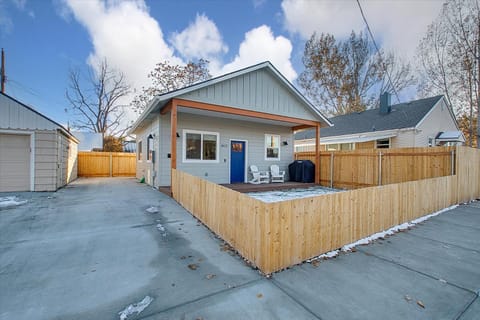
92,251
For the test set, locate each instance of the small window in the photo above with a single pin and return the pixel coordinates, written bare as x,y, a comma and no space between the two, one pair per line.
272,147
383,143
200,146
150,148
139,151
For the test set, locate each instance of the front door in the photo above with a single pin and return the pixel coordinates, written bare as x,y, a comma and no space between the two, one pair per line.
237,161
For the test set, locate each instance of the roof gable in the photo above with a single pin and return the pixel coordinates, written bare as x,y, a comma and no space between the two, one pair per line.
402,116
17,115
257,88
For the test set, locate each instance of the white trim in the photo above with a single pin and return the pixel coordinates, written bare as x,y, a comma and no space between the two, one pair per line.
184,146
245,170
32,152
265,147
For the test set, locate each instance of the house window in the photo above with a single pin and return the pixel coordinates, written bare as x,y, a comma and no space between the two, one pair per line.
139,151
199,146
383,143
272,147
150,148
340,146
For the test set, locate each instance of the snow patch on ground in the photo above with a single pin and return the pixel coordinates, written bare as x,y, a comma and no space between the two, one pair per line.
152,209
11,201
135,308
162,230
282,195
379,235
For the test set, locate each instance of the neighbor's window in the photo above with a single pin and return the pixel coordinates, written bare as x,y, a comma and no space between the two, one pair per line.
200,146
139,150
340,146
272,147
383,143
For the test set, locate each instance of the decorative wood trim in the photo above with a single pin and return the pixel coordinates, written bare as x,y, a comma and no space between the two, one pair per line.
302,127
241,112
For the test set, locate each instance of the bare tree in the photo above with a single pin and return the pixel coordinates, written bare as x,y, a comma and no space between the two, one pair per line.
96,103
167,77
347,76
450,60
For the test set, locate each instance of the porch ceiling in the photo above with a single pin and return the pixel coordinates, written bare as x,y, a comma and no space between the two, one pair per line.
214,114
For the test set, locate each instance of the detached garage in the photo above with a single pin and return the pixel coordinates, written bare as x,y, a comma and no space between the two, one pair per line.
36,153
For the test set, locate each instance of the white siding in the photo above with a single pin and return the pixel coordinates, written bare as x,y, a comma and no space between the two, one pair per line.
257,91
228,130
404,139
145,168
46,156
439,119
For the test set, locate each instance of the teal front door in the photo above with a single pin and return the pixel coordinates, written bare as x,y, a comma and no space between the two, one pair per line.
237,161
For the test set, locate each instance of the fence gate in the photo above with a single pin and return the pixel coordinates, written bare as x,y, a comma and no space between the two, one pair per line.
106,164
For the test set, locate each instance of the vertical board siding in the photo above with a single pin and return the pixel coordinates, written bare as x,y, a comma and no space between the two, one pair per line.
97,164
274,236
360,168
257,91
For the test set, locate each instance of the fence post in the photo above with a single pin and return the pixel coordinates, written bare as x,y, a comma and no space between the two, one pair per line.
111,165
452,163
331,170
379,168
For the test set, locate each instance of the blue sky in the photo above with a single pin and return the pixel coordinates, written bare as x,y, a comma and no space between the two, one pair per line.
44,39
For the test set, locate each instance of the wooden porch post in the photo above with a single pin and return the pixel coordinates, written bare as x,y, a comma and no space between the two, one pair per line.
317,154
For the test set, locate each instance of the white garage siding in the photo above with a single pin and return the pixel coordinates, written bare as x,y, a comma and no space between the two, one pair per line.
45,152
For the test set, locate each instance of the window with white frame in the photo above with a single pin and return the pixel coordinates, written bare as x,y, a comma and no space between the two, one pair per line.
139,151
383,143
150,148
200,146
272,147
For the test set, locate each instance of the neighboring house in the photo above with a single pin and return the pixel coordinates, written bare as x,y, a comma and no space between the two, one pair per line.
420,123
215,129
36,153
89,140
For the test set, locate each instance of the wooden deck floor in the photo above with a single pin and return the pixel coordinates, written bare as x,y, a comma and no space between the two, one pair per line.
248,187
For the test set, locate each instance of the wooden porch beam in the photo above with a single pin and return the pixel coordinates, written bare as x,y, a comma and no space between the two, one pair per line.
241,112
167,108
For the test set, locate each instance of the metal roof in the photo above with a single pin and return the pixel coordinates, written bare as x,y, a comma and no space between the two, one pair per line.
402,116
59,126
158,102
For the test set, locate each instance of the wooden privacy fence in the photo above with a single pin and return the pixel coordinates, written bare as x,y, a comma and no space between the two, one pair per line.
274,236
375,167
106,164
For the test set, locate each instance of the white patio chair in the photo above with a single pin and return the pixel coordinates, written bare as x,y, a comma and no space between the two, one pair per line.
258,176
277,175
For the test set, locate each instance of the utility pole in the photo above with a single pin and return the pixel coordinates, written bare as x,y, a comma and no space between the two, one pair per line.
2,76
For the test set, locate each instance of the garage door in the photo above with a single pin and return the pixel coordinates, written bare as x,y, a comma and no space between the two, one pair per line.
14,162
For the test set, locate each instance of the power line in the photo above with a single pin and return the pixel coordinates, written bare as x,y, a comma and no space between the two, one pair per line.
378,51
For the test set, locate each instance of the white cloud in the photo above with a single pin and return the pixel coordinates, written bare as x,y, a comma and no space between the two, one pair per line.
396,25
260,45
201,39
125,34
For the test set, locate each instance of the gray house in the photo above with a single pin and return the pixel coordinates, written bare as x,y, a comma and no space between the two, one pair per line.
36,153
420,123
217,128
